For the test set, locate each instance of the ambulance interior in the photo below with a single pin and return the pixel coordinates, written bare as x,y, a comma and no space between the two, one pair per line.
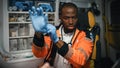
106,13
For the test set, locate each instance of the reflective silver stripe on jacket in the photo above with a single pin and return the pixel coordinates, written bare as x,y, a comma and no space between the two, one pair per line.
84,53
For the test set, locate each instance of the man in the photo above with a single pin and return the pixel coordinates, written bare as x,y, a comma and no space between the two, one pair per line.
71,46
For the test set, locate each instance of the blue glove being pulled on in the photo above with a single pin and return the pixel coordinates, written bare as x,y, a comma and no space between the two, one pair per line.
52,32
39,20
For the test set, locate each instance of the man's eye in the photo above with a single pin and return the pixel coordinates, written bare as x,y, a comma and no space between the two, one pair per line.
66,17
74,17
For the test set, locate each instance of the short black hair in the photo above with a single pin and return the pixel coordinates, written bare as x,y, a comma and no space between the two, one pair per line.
68,4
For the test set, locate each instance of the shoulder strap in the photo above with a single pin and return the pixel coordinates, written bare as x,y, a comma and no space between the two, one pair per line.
97,46
51,56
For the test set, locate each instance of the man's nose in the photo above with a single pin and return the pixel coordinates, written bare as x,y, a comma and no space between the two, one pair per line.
71,20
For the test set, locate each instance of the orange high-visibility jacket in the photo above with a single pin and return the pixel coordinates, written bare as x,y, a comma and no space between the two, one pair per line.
81,49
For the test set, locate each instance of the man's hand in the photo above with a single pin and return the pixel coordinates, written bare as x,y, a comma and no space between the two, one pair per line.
46,65
39,20
52,32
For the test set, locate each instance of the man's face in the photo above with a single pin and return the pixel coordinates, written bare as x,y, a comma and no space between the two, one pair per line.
69,18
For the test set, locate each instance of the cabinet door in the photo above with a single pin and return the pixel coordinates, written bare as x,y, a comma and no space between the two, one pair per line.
20,30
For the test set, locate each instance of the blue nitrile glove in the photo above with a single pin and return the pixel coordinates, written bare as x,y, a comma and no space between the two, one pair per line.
52,32
39,20
46,7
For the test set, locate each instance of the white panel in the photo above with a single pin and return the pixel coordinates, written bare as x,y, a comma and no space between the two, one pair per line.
5,27
1,23
82,4
81,0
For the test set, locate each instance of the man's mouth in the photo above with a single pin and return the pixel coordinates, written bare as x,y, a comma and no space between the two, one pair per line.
70,27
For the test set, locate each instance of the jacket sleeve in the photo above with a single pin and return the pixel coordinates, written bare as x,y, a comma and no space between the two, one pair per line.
41,52
80,51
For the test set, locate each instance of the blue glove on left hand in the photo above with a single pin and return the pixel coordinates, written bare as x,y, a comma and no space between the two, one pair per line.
40,22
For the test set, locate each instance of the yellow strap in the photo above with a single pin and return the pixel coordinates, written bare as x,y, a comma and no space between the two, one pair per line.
94,48
92,65
91,19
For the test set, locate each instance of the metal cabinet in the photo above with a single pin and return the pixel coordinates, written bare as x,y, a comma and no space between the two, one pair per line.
17,27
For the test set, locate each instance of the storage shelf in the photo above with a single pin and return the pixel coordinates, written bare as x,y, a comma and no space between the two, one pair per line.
20,37
19,22
21,60
26,12
25,22
20,51
19,32
20,56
